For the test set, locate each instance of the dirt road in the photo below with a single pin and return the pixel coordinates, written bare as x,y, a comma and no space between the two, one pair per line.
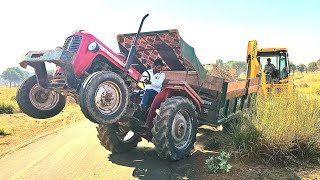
75,153
71,153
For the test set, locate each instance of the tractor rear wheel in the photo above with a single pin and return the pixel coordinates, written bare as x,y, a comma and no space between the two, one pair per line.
103,97
112,137
175,128
37,101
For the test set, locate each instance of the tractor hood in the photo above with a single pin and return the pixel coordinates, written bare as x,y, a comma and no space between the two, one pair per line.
166,45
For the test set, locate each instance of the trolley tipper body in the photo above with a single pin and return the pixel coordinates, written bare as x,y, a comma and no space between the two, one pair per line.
105,85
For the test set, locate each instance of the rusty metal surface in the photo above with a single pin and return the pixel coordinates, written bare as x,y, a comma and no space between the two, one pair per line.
55,56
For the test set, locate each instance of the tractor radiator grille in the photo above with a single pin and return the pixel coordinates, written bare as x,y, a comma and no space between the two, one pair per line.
72,43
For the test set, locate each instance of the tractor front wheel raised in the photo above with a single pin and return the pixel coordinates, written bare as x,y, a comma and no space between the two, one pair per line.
37,101
175,128
103,97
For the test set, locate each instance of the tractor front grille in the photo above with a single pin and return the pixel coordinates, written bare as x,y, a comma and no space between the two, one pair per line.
72,43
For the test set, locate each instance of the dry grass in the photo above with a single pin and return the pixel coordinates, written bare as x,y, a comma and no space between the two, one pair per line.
309,85
284,128
8,104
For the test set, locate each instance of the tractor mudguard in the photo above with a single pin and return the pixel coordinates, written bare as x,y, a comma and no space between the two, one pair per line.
174,88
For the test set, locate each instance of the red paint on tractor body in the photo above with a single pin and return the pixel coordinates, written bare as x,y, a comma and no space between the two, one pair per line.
84,57
174,88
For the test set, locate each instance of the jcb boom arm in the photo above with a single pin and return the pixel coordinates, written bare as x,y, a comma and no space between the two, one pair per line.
254,68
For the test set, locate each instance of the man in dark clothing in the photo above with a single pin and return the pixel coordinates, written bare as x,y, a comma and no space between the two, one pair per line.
269,68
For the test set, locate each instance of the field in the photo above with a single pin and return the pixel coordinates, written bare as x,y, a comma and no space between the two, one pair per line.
308,84
279,141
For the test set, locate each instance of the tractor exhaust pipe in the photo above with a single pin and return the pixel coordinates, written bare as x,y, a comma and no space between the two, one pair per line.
133,47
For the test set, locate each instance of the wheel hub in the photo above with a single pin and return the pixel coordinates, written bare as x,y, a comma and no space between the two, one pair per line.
108,97
181,129
43,99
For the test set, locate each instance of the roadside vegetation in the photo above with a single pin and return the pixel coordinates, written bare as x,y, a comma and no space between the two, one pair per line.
283,129
8,103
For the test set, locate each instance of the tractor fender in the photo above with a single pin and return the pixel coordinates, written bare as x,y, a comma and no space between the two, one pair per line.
174,88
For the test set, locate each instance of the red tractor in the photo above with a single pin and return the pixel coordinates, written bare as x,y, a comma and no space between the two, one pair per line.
105,86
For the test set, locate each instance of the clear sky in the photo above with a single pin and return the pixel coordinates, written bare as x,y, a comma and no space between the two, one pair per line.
217,29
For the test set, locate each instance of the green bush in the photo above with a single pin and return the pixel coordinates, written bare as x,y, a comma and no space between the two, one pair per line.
7,107
219,164
246,137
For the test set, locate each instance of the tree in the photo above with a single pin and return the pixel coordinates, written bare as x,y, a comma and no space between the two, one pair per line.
312,66
301,68
219,62
240,66
14,74
318,63
292,67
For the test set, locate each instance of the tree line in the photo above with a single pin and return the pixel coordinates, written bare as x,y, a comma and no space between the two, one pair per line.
15,75
241,66
311,67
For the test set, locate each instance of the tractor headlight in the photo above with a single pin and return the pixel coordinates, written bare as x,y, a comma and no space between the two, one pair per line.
93,47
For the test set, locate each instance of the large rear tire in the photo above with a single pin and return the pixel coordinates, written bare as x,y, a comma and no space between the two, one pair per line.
103,97
112,138
175,128
38,102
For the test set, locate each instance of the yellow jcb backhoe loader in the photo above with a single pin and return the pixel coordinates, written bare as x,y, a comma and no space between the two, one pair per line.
280,80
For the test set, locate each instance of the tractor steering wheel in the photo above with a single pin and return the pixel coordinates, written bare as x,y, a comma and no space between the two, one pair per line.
147,79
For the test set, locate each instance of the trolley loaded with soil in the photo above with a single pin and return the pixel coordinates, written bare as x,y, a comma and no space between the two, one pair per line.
105,86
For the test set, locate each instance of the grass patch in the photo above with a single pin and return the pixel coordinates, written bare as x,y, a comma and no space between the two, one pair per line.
8,103
7,107
3,132
282,129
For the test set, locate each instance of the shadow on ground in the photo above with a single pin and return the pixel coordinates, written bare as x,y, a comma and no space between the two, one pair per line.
149,166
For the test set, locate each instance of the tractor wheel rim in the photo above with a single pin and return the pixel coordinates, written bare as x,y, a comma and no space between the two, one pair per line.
43,99
181,129
108,97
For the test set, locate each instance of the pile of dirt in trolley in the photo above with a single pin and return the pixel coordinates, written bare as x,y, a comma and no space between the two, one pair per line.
216,71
